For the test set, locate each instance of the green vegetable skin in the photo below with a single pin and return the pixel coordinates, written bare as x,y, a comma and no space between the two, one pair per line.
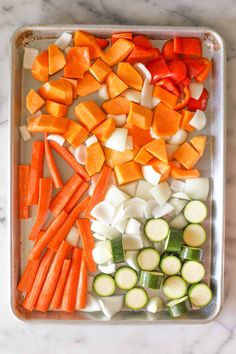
191,253
178,307
117,250
152,280
174,241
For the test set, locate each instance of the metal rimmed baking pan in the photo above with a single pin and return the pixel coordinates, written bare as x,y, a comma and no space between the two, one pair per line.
212,165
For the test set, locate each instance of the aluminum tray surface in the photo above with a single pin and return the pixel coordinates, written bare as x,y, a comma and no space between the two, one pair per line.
212,165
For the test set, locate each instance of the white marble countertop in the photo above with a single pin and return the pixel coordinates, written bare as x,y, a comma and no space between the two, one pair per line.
218,337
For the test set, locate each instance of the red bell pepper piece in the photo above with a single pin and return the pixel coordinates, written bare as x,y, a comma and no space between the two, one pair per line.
142,41
201,103
124,35
178,70
103,43
168,85
194,66
203,74
143,55
185,101
168,51
158,69
182,84
188,46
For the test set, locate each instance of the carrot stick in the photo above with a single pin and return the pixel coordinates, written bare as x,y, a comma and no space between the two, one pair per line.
76,197
58,293
23,186
42,242
63,196
52,166
70,291
88,242
28,276
50,283
83,284
61,234
66,155
45,192
36,172
100,190
44,266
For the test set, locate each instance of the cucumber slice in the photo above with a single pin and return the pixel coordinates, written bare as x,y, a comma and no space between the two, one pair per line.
136,298
126,278
148,258
174,241
194,235
104,285
152,280
200,294
191,253
175,287
195,211
178,307
117,250
156,229
170,264
155,304
193,272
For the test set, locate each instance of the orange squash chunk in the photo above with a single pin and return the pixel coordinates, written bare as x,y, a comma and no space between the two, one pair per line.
143,157
73,83
56,59
186,117
89,114
139,115
100,70
40,68
165,96
77,62
105,129
128,172
56,109
162,168
88,84
157,148
33,101
82,39
140,136
114,158
115,85
186,155
45,123
117,52
57,90
118,105
95,159
199,143
166,121
75,134
130,76
179,173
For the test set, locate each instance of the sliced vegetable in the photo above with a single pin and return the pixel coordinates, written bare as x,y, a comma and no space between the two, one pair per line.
77,62
126,278
111,305
136,298
158,149
151,175
151,280
166,121
175,287
28,276
140,116
158,69
95,159
195,211
188,46
82,39
57,90
64,40
130,76
117,52
88,242
76,196
29,56
40,69
23,188
45,123
194,235
54,172
117,250
187,156
33,101
148,258
87,85
200,295
191,253
193,271
170,264
178,307
199,120
143,55
104,285
156,229
201,103
75,134
132,242
174,241
36,172
127,172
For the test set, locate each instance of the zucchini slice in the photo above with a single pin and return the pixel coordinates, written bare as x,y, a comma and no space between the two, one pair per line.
174,241
148,258
194,235
126,278
200,294
195,211
117,250
152,280
170,264
193,271
136,298
175,287
178,307
104,285
156,229
191,253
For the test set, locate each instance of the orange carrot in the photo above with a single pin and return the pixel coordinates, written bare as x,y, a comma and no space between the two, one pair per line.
45,192
27,278
88,84
118,105
56,109
166,121
23,186
75,134
105,129
56,59
89,114
45,123
50,283
33,101
47,236
77,62
58,293
76,196
61,234
36,172
40,67
100,190
82,39
100,70
186,155
57,90
70,292
115,85
130,76
66,155
118,51
88,242
95,159
179,173
55,174
83,284
63,196
32,296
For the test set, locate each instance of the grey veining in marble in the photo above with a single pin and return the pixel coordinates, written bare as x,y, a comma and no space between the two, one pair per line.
218,337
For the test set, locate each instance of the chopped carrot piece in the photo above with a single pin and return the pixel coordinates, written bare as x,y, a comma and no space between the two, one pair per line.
58,293
118,105
40,67
199,143
115,85
45,123
124,35
105,129
139,115
179,173
118,51
186,155
33,101
157,148
45,193
56,59
23,187
143,157
63,196
186,117
76,196
162,168
114,157
77,62
166,121
130,76
57,90
75,134
54,172
89,114
36,172
128,172
100,70
140,136
95,159
88,242
88,84
56,109
27,278
82,39
74,84
165,96
83,284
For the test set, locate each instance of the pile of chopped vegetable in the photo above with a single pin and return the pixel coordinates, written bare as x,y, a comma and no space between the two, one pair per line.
126,227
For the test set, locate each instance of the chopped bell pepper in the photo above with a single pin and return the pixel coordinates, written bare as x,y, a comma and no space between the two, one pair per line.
168,84
158,69
142,41
182,84
188,46
195,66
201,103
185,101
143,55
168,51
178,70
203,74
